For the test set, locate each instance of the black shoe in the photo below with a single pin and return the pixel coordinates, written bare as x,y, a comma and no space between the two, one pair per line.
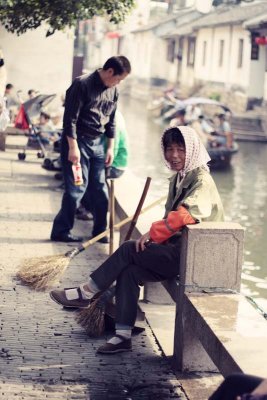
104,240
67,237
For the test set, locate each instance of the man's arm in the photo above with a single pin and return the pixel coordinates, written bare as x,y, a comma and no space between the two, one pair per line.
73,104
74,155
109,152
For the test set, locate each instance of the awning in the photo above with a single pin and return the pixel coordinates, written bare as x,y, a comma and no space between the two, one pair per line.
255,22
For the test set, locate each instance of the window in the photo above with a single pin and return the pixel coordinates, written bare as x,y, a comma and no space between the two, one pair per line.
254,46
171,50
221,50
240,53
191,51
204,52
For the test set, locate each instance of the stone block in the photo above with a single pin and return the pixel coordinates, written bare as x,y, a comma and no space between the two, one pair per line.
212,256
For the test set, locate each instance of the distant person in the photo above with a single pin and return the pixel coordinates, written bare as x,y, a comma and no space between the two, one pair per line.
45,129
223,130
155,256
179,119
204,130
90,107
32,93
241,387
12,102
121,149
192,112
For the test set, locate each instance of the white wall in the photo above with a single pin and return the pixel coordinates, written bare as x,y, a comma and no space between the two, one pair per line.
34,61
257,74
228,73
160,66
141,54
187,76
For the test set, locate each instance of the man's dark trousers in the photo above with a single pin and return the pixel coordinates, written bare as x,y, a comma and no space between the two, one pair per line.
93,167
130,269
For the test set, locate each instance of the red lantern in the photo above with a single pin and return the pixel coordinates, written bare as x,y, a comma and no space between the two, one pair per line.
113,35
261,40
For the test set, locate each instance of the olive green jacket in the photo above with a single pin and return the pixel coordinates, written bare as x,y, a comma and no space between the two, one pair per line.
198,193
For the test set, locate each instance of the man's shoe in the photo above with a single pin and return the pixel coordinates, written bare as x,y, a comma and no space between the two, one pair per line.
109,348
67,237
104,240
84,217
60,297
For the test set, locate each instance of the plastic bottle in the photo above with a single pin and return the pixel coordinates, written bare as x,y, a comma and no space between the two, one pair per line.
77,174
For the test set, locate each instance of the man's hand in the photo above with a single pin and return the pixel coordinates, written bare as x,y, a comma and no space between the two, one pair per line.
74,155
109,157
140,244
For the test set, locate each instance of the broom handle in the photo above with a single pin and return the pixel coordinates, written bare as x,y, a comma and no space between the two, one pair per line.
83,246
111,216
138,210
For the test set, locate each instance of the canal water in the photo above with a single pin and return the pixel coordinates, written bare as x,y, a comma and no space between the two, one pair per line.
243,188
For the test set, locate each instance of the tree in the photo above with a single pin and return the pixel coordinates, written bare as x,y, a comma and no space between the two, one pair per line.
19,16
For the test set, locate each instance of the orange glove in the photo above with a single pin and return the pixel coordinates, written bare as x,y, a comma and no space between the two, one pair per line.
165,228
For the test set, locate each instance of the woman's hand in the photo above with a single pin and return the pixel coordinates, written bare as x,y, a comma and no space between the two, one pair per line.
141,243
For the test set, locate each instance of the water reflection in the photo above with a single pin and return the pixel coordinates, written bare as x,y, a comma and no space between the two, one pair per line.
243,187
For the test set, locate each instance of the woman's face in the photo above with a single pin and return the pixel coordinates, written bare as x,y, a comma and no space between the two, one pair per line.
175,155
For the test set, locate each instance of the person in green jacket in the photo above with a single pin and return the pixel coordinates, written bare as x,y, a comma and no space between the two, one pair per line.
121,154
155,256
121,147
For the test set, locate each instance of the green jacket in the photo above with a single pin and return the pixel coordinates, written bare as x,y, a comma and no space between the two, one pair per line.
198,193
120,143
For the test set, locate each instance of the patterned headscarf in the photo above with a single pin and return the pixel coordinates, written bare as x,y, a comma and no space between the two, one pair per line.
195,153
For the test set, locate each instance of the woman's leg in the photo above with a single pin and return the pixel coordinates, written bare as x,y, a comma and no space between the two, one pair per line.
235,385
160,260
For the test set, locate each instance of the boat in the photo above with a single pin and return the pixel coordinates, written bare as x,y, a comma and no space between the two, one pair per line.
221,156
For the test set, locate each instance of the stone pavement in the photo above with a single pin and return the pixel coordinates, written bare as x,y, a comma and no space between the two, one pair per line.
44,353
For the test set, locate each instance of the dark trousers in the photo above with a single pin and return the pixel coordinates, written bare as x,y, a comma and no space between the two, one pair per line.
93,168
130,269
236,385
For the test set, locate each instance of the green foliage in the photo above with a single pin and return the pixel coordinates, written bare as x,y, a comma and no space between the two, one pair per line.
215,96
19,16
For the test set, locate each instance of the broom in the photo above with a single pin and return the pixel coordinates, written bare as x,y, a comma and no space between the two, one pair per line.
92,318
42,272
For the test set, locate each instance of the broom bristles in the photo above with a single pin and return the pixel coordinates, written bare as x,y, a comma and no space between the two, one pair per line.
43,272
92,318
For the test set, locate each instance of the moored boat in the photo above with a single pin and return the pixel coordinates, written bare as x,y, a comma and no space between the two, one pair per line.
221,156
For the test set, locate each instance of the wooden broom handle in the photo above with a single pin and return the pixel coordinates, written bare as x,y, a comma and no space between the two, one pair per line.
111,216
138,209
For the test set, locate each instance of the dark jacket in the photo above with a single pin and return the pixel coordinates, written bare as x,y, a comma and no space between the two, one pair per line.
90,108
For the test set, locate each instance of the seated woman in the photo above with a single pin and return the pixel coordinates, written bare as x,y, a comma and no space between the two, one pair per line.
155,256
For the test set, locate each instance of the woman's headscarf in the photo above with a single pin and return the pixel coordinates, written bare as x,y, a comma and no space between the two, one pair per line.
195,153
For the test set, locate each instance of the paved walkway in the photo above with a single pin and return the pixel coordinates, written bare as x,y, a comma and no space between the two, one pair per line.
44,353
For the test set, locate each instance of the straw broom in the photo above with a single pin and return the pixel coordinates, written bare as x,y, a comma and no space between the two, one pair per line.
92,318
42,272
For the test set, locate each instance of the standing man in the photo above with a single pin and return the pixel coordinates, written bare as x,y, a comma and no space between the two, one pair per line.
90,107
